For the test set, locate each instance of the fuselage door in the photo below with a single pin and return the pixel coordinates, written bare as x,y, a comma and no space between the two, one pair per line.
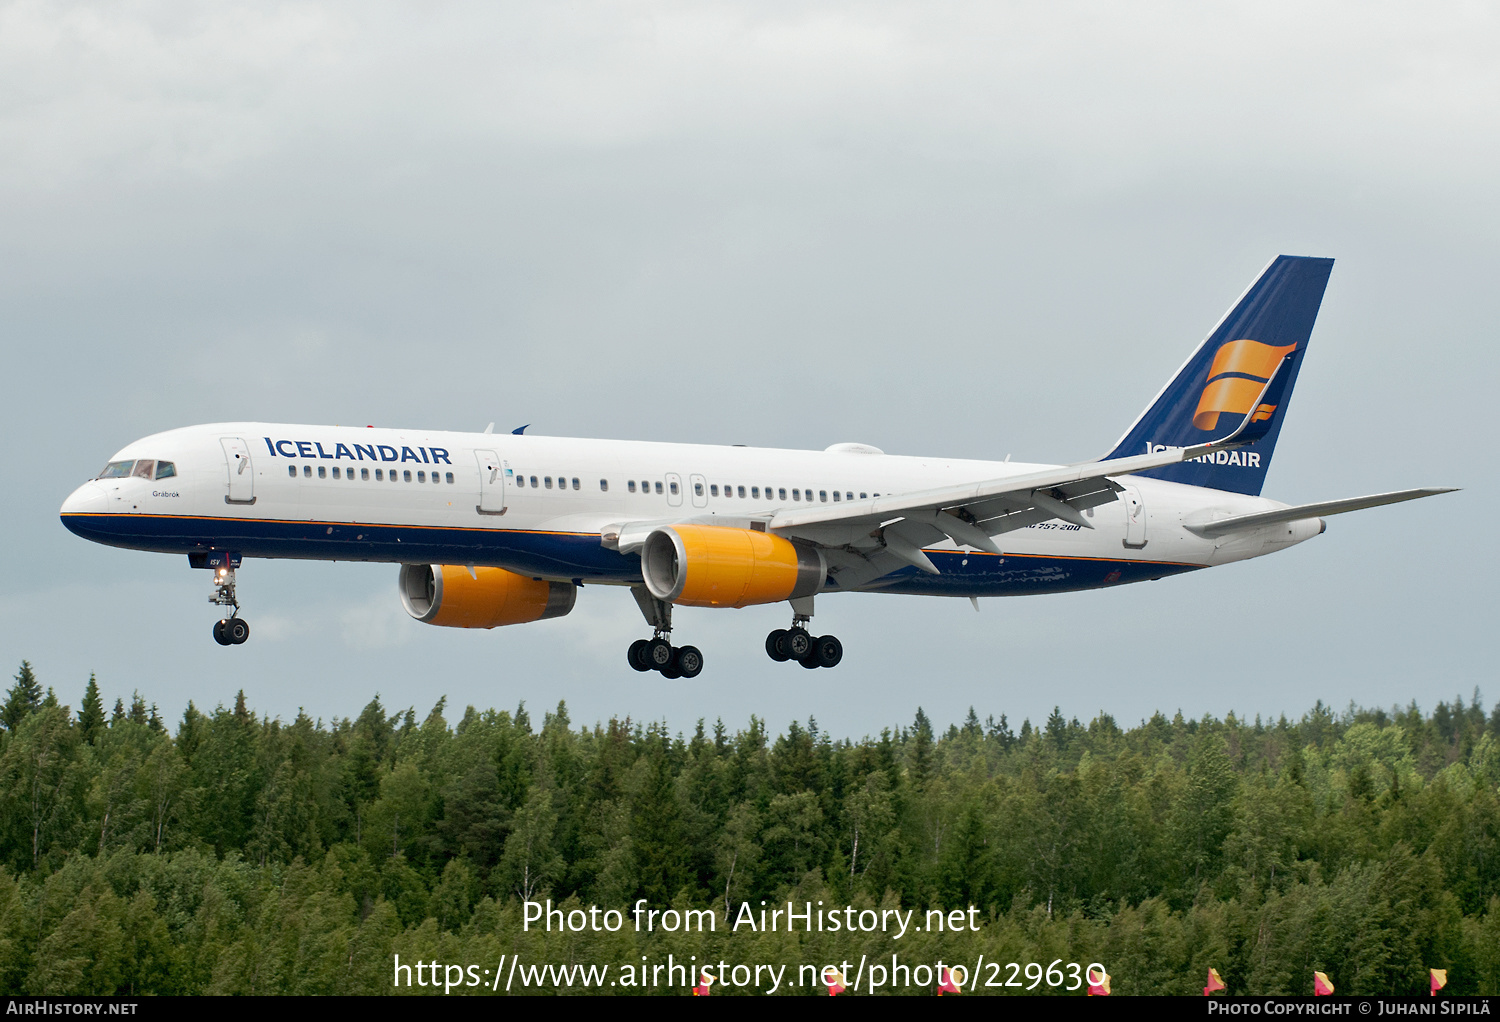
700,490
491,484
674,490
241,472
1135,518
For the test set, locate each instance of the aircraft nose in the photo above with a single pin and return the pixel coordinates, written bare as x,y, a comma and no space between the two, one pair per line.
88,499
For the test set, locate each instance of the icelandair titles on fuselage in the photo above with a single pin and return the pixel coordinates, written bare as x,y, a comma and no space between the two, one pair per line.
1245,459
360,452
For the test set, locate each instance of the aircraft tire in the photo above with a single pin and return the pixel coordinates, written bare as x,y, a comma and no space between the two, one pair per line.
237,630
797,643
828,650
672,671
689,661
810,662
637,655
219,636
658,654
776,646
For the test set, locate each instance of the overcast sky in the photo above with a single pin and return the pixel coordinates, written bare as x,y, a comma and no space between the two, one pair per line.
960,229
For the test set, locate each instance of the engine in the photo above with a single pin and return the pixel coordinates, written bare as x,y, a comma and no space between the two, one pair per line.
447,595
714,566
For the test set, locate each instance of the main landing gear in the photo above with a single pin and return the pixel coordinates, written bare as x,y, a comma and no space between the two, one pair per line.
232,630
797,643
657,653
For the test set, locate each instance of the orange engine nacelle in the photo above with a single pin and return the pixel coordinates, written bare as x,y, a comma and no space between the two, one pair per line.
714,566
447,595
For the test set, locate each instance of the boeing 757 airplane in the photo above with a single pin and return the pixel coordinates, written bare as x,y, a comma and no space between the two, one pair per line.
505,529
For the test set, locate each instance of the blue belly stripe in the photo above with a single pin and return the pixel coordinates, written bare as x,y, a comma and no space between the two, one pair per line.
571,555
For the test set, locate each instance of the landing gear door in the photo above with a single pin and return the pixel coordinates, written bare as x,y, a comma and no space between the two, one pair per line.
491,484
241,473
1135,518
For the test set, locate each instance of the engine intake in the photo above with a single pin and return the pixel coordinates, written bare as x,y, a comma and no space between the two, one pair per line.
448,596
714,566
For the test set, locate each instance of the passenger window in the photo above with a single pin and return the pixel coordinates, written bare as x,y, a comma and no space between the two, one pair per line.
604,486
117,470
742,491
847,496
797,494
335,472
547,482
755,493
835,496
291,470
165,469
576,485
697,489
364,474
533,482
322,472
713,491
658,488
421,476
306,471
406,475
380,475
863,497
630,485
145,469
782,491
822,496
448,476
673,486
521,481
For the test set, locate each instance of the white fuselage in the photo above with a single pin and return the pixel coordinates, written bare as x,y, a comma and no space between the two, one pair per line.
539,505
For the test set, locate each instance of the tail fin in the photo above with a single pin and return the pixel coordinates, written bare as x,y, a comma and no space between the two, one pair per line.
1226,374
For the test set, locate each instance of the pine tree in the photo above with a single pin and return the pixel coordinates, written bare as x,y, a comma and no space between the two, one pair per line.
91,716
1057,728
921,748
24,696
118,716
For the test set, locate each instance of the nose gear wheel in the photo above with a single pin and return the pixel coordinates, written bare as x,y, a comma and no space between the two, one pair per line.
232,630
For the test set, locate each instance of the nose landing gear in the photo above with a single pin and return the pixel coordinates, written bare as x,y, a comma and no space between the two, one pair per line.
657,653
797,643
232,630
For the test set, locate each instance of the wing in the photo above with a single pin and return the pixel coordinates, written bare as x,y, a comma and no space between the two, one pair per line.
869,538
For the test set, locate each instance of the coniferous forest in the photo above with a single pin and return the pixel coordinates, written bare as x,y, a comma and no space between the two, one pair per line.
224,852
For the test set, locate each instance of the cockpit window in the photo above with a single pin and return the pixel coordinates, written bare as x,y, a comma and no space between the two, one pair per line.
144,468
117,470
165,469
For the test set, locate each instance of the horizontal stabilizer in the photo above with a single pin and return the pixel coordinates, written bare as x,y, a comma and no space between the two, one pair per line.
1223,526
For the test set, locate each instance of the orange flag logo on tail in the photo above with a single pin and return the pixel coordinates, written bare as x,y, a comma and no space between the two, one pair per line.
835,980
1439,980
1322,985
1098,987
704,982
1215,982
1239,373
946,983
